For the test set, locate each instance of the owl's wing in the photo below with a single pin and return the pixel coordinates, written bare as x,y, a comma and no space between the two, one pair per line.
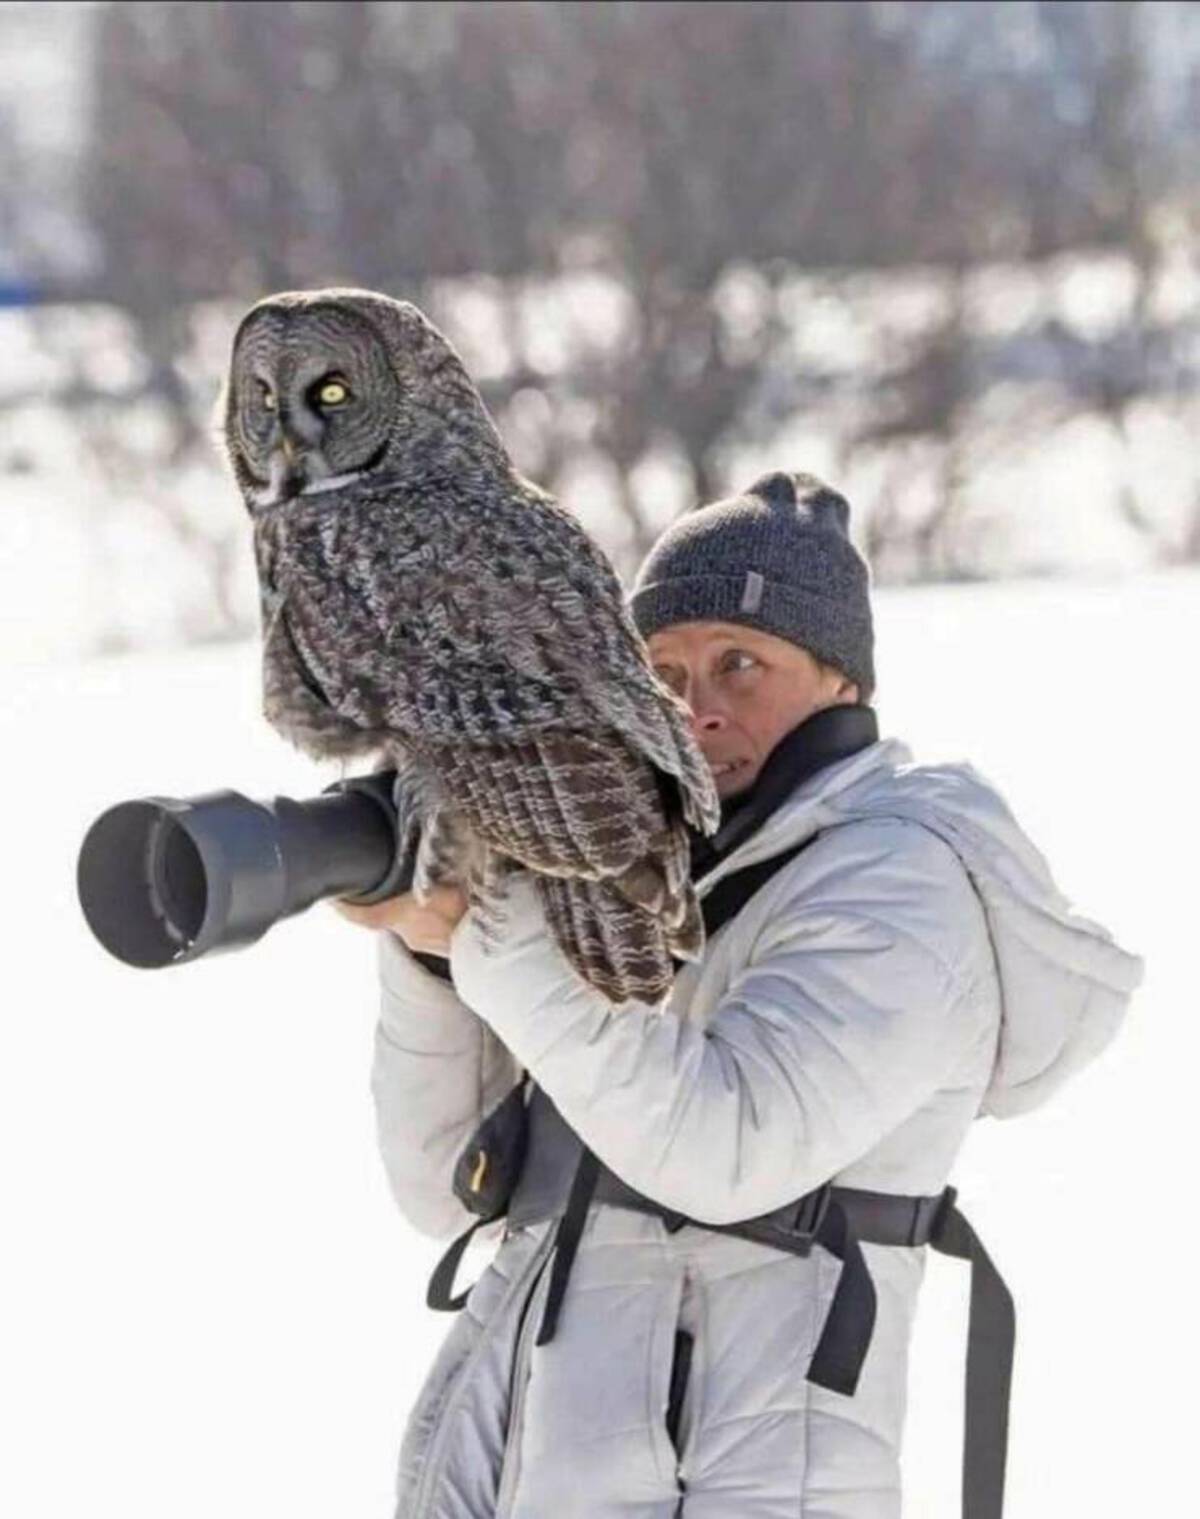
651,716
586,597
570,804
542,642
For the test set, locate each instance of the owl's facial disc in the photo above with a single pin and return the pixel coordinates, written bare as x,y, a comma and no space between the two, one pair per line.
315,403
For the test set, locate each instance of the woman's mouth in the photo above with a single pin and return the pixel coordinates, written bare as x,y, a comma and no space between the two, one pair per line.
722,768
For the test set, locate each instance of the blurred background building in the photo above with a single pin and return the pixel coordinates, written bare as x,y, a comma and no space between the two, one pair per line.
945,254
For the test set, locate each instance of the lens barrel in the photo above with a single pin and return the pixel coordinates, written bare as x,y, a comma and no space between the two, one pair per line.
162,881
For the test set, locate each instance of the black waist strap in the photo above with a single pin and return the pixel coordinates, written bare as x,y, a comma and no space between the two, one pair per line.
561,1178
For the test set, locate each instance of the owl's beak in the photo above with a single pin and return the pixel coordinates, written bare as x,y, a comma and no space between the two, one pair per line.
287,473
295,470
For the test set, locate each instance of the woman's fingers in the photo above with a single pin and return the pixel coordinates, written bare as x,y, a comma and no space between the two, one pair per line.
424,926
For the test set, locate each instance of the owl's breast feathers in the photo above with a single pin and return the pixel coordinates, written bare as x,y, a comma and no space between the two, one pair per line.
472,618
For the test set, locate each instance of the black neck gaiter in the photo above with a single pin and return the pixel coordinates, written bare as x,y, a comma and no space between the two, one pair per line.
832,734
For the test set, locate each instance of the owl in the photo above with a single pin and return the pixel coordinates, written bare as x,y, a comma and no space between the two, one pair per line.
425,605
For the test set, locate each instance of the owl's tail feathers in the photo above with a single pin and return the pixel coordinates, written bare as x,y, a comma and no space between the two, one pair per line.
621,949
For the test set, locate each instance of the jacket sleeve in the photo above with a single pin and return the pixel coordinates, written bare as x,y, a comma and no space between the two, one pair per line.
849,1009
438,1069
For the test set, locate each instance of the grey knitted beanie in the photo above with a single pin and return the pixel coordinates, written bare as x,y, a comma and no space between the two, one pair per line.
777,558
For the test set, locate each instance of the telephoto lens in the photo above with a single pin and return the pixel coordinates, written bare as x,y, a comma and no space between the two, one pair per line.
163,880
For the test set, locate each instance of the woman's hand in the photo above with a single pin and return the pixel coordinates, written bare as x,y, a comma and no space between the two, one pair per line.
425,928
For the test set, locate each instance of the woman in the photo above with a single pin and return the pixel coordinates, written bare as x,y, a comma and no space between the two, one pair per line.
909,967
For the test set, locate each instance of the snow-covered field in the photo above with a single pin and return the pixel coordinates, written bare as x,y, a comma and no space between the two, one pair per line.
156,547
208,1304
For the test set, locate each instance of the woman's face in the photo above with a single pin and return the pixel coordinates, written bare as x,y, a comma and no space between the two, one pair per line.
745,689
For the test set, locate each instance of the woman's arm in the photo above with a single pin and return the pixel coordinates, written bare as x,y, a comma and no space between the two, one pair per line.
851,1009
437,1071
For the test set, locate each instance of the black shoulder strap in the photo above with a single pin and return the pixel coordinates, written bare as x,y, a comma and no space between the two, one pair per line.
728,897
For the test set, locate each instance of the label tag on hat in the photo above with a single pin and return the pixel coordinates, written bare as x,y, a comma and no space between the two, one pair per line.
752,594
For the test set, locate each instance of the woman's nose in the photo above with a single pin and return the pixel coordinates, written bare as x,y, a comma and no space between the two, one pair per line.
711,722
707,716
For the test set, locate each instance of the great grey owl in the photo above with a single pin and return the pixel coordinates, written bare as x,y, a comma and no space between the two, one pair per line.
423,602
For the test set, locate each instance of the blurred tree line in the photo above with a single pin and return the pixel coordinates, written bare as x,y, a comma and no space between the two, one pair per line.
625,212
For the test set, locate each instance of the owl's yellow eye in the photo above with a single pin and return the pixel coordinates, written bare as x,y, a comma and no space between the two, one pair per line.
268,399
333,393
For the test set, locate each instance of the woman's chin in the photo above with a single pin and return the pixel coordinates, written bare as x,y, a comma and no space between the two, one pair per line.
736,782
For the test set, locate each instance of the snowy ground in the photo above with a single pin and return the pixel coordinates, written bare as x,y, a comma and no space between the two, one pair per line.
208,1304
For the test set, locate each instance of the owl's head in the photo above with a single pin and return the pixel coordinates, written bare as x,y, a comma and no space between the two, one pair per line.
327,387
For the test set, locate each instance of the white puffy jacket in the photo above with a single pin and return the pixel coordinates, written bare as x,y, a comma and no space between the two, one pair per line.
913,968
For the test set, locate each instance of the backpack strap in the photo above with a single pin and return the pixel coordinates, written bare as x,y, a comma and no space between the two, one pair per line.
566,1240
438,1293
991,1337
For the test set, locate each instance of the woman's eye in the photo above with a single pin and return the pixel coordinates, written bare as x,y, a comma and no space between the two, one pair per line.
670,677
737,660
333,393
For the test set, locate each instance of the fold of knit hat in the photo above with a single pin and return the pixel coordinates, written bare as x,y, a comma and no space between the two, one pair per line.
778,558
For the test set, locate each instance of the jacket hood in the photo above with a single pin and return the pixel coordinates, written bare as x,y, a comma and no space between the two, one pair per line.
1065,984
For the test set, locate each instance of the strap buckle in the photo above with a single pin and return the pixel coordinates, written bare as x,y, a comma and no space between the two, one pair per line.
805,1223
943,1206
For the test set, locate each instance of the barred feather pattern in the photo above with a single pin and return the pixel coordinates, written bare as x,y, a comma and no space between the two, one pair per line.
432,606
